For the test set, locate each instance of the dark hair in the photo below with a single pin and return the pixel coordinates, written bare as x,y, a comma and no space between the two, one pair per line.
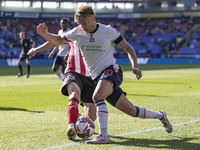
65,19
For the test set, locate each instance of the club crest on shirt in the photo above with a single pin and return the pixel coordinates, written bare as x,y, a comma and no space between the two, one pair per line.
92,39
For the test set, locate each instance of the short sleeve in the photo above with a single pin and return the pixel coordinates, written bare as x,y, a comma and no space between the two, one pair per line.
69,36
113,33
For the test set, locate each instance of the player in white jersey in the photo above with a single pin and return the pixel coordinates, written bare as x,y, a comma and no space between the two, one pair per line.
97,45
77,84
62,51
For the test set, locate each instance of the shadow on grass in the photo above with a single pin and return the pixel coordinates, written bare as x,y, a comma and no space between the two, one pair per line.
153,82
19,109
147,95
181,143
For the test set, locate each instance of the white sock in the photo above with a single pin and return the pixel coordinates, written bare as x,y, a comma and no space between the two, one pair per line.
59,74
102,117
146,113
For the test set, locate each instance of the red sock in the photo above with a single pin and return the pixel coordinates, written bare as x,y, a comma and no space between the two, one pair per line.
72,110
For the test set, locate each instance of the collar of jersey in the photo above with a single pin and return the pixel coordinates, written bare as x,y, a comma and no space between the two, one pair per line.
97,27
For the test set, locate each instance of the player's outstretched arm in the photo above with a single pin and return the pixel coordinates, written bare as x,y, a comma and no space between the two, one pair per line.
132,56
42,29
44,47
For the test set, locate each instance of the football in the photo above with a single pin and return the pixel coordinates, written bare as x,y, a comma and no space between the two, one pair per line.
84,127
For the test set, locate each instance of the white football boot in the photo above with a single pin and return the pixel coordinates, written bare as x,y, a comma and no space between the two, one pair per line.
165,122
71,133
99,140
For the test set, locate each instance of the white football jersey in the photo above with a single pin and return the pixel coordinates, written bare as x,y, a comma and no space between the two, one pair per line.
63,49
97,48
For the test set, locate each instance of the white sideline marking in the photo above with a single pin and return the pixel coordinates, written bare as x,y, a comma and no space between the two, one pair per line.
124,134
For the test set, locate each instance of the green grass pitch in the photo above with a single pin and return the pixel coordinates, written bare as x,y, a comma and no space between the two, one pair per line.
33,112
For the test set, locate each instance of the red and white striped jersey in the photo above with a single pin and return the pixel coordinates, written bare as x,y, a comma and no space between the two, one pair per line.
75,61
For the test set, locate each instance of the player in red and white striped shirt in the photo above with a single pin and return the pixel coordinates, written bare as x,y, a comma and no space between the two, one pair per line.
79,87
75,61
77,84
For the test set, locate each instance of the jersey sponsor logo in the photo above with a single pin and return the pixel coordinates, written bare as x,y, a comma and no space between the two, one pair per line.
91,48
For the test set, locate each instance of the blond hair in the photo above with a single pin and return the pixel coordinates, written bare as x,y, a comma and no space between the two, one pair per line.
83,11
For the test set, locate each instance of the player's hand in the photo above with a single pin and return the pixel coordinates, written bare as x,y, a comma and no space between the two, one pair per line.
42,29
31,53
137,72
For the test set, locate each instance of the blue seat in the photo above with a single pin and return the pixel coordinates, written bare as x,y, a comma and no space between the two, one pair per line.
3,47
155,49
137,47
188,50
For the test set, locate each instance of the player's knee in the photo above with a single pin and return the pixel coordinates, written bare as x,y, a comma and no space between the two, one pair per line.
97,96
74,94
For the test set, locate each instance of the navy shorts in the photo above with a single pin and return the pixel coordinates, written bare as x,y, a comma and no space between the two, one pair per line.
115,74
86,85
23,56
59,60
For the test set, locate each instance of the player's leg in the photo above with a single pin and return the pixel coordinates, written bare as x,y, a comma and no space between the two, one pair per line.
102,90
19,63
89,111
86,97
127,107
72,108
55,68
28,67
111,76
58,72
72,87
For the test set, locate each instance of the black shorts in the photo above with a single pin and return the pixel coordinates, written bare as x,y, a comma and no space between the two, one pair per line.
23,56
86,85
115,74
59,60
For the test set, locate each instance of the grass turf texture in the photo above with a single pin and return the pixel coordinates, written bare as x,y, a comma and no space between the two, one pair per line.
33,111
